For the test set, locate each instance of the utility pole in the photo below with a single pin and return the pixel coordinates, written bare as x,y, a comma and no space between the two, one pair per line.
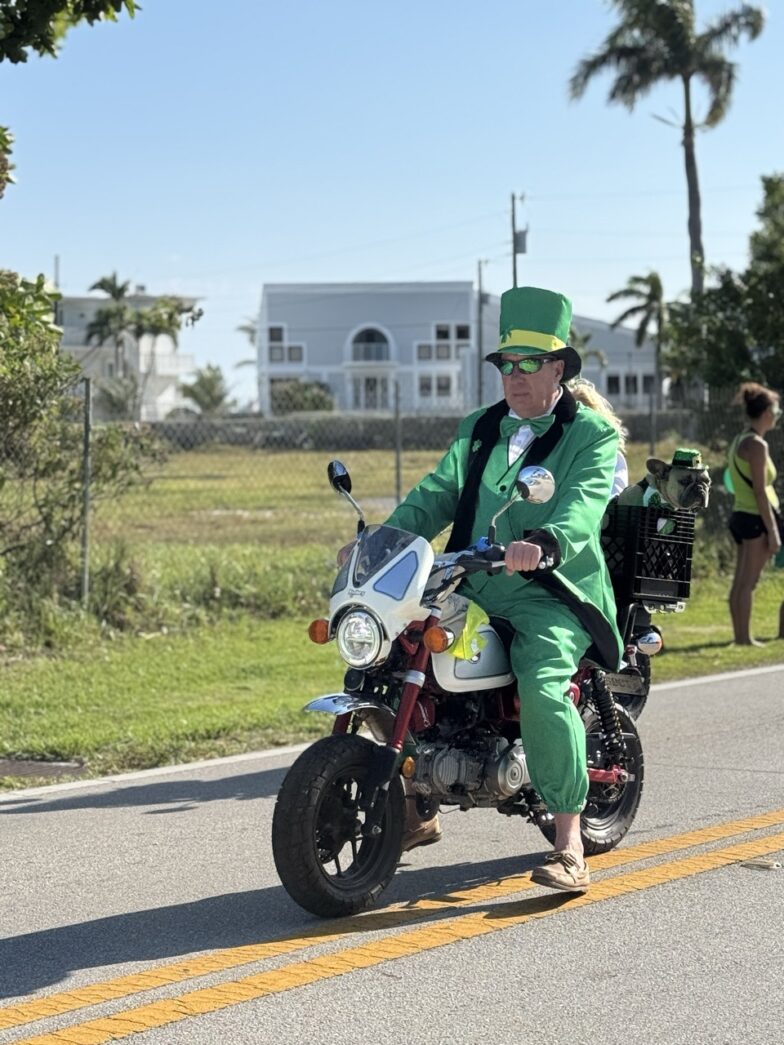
514,244
519,238
479,339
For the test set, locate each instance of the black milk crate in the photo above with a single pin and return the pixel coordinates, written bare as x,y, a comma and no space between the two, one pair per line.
648,552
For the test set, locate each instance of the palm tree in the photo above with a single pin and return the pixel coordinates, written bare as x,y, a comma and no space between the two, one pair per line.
112,323
164,318
209,392
657,40
118,399
250,328
111,285
650,309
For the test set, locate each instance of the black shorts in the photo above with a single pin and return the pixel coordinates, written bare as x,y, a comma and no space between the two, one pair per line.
746,526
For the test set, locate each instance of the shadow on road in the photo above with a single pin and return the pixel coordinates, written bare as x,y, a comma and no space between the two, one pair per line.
176,793
38,960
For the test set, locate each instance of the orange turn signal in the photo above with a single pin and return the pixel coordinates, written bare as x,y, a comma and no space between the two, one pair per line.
318,631
407,767
438,639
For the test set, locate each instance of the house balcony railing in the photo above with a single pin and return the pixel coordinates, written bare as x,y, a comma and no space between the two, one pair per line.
369,352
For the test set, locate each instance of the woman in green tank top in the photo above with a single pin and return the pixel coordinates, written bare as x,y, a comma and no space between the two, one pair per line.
755,523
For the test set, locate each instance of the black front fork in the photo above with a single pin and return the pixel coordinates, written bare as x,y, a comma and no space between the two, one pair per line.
375,789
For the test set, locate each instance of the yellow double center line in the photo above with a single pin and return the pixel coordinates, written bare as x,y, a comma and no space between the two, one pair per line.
429,937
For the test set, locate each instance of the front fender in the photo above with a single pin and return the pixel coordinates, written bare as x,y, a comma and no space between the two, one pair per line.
378,718
344,704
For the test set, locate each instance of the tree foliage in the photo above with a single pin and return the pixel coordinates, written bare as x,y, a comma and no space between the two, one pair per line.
6,143
734,330
32,371
209,392
39,25
767,242
290,396
41,458
121,323
112,323
649,310
659,41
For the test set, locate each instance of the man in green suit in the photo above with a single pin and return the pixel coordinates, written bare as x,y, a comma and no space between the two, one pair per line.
555,590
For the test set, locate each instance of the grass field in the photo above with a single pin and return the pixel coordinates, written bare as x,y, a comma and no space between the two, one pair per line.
231,495
238,685
225,555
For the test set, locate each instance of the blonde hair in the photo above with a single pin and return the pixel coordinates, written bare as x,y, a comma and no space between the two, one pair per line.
585,392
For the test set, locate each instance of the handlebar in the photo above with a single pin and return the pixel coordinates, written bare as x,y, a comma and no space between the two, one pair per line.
483,557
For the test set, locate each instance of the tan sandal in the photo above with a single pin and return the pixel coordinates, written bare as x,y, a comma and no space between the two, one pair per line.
426,832
562,870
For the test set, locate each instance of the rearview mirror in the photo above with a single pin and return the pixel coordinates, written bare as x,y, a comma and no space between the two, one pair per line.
535,484
339,478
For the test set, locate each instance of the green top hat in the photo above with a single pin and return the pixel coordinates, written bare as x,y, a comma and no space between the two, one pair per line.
535,321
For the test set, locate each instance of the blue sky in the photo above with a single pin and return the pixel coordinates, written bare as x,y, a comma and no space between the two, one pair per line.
207,148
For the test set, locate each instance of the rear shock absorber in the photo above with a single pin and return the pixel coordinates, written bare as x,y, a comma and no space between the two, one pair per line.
608,716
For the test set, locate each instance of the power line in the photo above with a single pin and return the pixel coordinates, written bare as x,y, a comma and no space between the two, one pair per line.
615,194
341,250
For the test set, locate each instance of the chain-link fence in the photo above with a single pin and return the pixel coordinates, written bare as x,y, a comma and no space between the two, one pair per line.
238,509
263,480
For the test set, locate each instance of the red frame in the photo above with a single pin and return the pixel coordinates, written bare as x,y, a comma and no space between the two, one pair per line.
508,705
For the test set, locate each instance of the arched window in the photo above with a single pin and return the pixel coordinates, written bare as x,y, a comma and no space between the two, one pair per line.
369,346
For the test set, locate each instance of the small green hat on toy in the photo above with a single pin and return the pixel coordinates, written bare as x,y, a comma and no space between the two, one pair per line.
536,322
683,458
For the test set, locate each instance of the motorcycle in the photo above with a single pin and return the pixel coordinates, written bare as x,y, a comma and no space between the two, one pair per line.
413,723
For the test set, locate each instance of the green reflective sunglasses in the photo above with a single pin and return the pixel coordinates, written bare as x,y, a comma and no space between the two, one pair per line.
528,365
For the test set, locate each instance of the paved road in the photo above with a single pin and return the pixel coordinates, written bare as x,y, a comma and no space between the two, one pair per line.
147,908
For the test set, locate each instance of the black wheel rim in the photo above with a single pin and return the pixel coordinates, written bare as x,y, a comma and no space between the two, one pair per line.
607,804
347,860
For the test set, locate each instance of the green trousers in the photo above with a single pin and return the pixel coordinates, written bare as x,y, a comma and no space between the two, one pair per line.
548,644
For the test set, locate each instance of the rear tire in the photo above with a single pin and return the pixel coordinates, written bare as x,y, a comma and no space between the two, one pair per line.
324,863
610,809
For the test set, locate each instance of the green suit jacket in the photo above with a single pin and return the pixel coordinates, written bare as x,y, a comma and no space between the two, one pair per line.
583,464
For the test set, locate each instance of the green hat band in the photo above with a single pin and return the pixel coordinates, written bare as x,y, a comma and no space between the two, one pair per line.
532,339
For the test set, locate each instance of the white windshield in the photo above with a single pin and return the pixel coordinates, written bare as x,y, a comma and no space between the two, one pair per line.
377,546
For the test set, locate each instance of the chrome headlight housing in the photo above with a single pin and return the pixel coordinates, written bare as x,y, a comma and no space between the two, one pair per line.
359,638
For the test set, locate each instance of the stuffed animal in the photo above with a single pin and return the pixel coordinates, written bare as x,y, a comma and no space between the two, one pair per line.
684,483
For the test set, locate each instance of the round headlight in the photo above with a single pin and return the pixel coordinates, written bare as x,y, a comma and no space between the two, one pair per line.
359,639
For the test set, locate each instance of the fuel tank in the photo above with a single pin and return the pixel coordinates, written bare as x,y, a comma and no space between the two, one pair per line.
489,669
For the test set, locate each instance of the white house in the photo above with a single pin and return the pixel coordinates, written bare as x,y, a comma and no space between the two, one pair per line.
364,339
156,363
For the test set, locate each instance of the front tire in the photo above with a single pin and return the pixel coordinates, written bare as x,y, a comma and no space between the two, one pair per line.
324,863
610,809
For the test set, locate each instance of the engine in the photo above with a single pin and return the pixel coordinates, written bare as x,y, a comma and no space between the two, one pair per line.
482,776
